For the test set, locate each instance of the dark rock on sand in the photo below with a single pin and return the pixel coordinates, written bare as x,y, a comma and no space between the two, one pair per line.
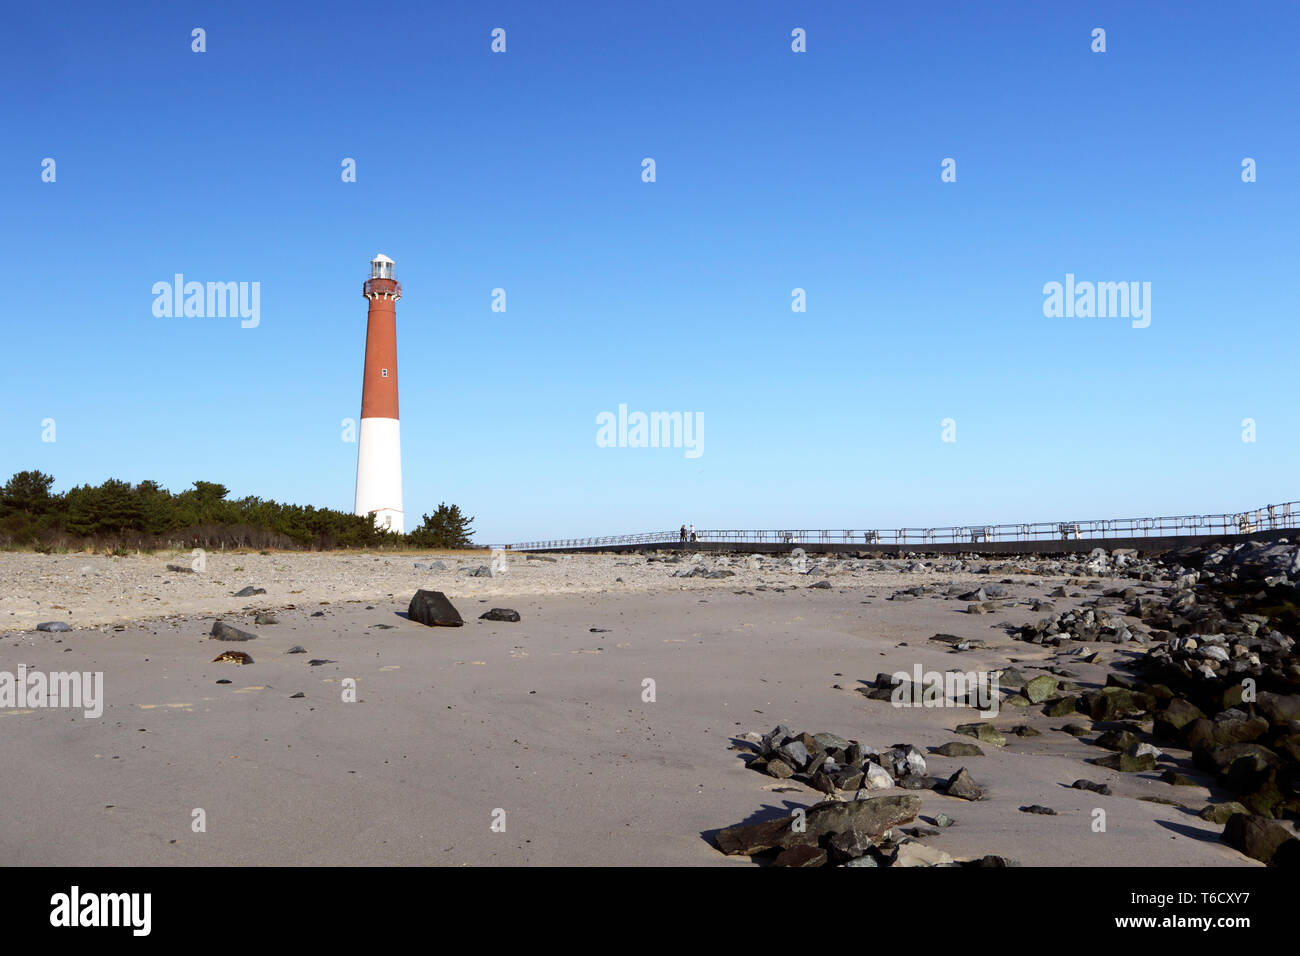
872,816
1101,788
54,627
1263,840
957,748
1126,763
432,609
802,855
500,614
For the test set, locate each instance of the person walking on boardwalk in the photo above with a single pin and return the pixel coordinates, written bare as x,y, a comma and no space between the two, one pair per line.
683,534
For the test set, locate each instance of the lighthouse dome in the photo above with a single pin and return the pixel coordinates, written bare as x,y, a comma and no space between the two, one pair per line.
382,267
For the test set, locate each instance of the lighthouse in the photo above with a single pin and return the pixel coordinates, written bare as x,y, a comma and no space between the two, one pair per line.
379,446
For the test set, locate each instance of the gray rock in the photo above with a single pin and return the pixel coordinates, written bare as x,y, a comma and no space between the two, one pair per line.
831,741
962,785
796,753
500,614
918,854
56,627
265,617
249,591
849,845
224,632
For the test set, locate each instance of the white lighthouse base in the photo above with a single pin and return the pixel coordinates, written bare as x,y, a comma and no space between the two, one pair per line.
379,473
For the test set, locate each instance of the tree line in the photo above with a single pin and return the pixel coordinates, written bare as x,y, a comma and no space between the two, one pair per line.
118,514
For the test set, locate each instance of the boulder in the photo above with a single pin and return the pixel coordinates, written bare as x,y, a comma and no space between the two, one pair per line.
500,614
873,816
1262,839
1278,709
802,855
1039,689
1219,733
962,785
432,609
1177,715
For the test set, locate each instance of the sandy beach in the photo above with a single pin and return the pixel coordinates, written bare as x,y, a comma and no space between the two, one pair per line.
543,719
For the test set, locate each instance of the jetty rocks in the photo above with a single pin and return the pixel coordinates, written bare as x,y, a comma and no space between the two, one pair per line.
432,609
1211,647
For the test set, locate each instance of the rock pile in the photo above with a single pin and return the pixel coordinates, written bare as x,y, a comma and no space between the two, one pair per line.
1219,677
830,763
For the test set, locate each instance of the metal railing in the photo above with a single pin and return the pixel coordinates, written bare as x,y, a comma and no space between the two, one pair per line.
1268,518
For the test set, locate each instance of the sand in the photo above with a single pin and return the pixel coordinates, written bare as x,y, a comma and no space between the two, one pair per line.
542,719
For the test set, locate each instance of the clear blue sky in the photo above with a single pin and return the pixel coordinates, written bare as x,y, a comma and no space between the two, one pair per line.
775,170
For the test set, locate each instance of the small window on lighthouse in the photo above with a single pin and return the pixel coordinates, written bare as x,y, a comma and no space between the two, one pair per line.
383,372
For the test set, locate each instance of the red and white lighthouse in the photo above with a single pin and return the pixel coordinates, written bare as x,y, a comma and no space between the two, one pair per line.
379,446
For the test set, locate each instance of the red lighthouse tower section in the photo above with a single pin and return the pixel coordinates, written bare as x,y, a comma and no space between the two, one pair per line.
379,447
